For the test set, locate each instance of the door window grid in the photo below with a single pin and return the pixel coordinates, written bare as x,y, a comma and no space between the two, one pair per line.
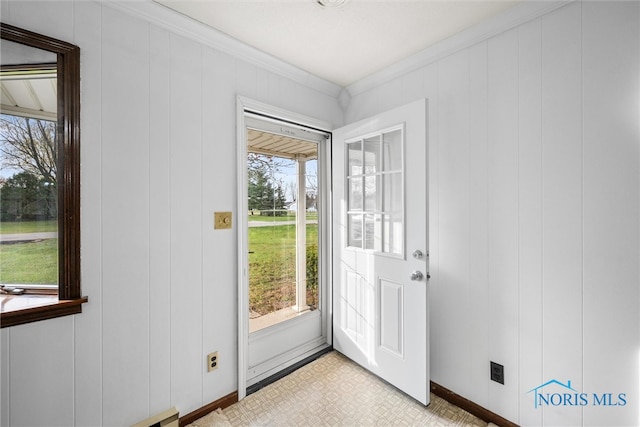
375,215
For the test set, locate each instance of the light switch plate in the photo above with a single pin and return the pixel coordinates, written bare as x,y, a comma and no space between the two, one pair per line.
222,220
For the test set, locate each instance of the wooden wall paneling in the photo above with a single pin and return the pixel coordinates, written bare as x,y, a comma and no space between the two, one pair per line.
530,220
53,19
362,106
246,79
412,85
287,95
221,287
159,221
5,376
6,15
219,194
611,209
389,95
262,85
436,357
274,89
326,108
42,351
88,344
478,343
562,205
452,300
309,102
187,353
503,219
125,217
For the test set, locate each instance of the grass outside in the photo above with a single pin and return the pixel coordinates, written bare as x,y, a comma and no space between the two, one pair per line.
16,227
272,274
256,217
272,267
34,262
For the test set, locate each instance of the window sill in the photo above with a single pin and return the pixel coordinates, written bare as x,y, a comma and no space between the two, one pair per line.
20,309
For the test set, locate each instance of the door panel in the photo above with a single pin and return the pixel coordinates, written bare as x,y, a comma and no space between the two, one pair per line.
380,219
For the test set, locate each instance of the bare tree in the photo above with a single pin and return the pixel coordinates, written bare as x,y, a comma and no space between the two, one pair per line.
292,191
29,145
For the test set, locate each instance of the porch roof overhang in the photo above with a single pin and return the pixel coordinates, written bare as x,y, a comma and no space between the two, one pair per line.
287,147
29,91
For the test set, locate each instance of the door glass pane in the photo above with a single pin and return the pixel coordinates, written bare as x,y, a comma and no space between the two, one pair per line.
392,234
354,158
355,193
282,228
377,192
371,193
355,230
392,150
372,232
372,155
392,190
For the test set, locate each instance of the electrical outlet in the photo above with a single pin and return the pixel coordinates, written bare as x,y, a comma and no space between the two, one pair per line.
497,372
212,361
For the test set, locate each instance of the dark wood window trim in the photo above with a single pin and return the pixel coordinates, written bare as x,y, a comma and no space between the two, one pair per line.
69,299
37,307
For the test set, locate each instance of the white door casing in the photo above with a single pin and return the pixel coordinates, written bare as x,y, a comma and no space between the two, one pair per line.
380,317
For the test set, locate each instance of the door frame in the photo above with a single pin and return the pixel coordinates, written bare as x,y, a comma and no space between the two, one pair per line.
244,104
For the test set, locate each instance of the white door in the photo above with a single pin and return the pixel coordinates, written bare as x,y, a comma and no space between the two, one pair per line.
380,264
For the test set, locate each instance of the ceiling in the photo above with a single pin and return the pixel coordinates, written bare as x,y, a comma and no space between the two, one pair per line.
340,44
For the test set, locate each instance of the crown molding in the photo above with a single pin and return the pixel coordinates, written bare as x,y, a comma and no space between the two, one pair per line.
177,23
510,18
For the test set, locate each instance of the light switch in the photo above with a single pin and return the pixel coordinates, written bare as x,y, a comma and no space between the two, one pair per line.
222,220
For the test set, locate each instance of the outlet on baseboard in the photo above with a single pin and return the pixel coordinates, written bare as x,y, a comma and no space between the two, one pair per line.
497,372
212,361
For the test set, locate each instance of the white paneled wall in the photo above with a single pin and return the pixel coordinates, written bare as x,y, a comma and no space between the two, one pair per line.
125,215
478,225
561,130
534,166
529,214
534,211
158,158
502,217
611,262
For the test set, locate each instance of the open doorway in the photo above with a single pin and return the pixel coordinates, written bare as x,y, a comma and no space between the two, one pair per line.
283,234
282,200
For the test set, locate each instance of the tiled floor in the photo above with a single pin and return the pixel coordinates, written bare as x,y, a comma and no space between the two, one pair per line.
333,391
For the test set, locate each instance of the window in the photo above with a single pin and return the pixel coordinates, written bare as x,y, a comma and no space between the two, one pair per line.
374,187
39,178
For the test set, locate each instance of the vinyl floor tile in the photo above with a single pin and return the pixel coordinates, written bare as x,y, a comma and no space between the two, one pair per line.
333,391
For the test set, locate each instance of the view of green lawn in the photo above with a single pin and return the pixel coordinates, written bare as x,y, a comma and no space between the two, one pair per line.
34,262
15,227
272,267
256,217
272,262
